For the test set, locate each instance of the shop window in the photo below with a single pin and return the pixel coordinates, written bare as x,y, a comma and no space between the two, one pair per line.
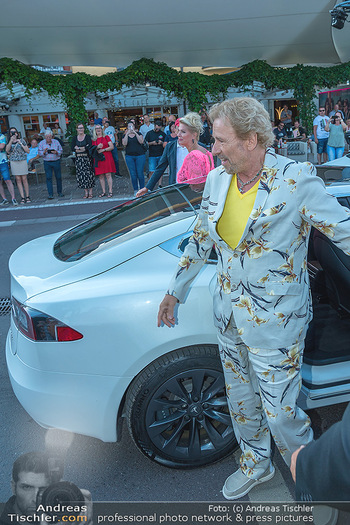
31,126
50,119
4,125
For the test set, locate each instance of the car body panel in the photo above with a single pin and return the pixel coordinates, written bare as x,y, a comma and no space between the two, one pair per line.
43,271
342,161
61,400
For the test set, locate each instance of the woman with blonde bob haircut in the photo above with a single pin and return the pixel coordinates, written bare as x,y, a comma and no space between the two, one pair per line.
104,168
199,161
246,116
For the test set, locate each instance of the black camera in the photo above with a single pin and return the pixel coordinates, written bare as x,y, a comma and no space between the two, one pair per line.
59,495
50,150
12,133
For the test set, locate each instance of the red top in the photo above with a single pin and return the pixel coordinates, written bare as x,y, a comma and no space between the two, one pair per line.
107,165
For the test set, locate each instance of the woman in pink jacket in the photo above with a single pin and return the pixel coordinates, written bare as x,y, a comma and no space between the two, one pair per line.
199,161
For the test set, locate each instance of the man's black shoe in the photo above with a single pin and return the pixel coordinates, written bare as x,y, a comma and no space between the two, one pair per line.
118,175
50,197
60,194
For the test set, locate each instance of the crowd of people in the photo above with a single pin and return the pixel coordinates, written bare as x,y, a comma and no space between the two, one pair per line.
147,148
328,134
95,152
22,158
150,149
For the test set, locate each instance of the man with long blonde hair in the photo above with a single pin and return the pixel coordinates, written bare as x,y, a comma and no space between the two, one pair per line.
258,209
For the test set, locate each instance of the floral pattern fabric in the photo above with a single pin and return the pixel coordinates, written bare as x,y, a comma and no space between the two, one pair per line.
263,283
262,387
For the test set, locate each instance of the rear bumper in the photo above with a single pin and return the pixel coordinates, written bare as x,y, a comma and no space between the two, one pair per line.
80,403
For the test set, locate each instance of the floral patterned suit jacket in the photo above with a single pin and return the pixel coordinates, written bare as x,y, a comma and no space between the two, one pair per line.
264,281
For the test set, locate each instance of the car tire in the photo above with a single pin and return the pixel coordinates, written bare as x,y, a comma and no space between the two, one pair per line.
177,412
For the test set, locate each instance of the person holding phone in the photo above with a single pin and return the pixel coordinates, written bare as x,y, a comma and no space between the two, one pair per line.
17,150
336,140
5,174
51,150
155,139
134,155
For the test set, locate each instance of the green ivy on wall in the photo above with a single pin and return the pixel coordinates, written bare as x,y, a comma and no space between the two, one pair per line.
194,88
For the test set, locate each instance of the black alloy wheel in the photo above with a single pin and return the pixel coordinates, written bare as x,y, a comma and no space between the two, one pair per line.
177,409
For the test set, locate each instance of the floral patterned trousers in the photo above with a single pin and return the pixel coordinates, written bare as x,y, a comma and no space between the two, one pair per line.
262,388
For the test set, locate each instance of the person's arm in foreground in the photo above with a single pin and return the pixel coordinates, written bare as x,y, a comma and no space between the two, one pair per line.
321,469
158,172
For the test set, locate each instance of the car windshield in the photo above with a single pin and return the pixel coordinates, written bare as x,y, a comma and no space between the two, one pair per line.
126,221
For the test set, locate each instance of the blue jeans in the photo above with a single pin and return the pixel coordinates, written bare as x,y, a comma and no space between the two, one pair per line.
115,158
4,171
153,163
135,164
334,153
54,165
322,146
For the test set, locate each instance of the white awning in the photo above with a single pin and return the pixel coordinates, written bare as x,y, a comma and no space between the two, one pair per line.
181,33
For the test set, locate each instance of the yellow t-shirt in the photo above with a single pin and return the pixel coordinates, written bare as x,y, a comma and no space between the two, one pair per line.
238,207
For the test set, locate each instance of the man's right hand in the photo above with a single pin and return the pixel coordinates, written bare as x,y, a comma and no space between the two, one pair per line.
316,140
166,311
142,192
293,462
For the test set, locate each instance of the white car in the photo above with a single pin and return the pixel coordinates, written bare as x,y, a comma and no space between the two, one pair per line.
84,351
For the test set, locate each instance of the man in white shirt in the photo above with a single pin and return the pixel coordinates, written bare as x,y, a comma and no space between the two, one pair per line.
45,128
112,134
320,135
144,129
146,126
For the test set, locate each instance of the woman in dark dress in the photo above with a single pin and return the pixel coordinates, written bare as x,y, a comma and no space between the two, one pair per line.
81,145
134,156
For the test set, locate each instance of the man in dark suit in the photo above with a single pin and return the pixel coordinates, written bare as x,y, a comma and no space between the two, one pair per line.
173,156
321,470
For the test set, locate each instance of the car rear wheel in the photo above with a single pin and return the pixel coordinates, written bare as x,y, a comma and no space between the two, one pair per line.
177,410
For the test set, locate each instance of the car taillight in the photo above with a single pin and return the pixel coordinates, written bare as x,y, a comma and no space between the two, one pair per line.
38,326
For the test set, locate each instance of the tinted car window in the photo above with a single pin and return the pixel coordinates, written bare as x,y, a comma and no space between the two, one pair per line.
127,221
